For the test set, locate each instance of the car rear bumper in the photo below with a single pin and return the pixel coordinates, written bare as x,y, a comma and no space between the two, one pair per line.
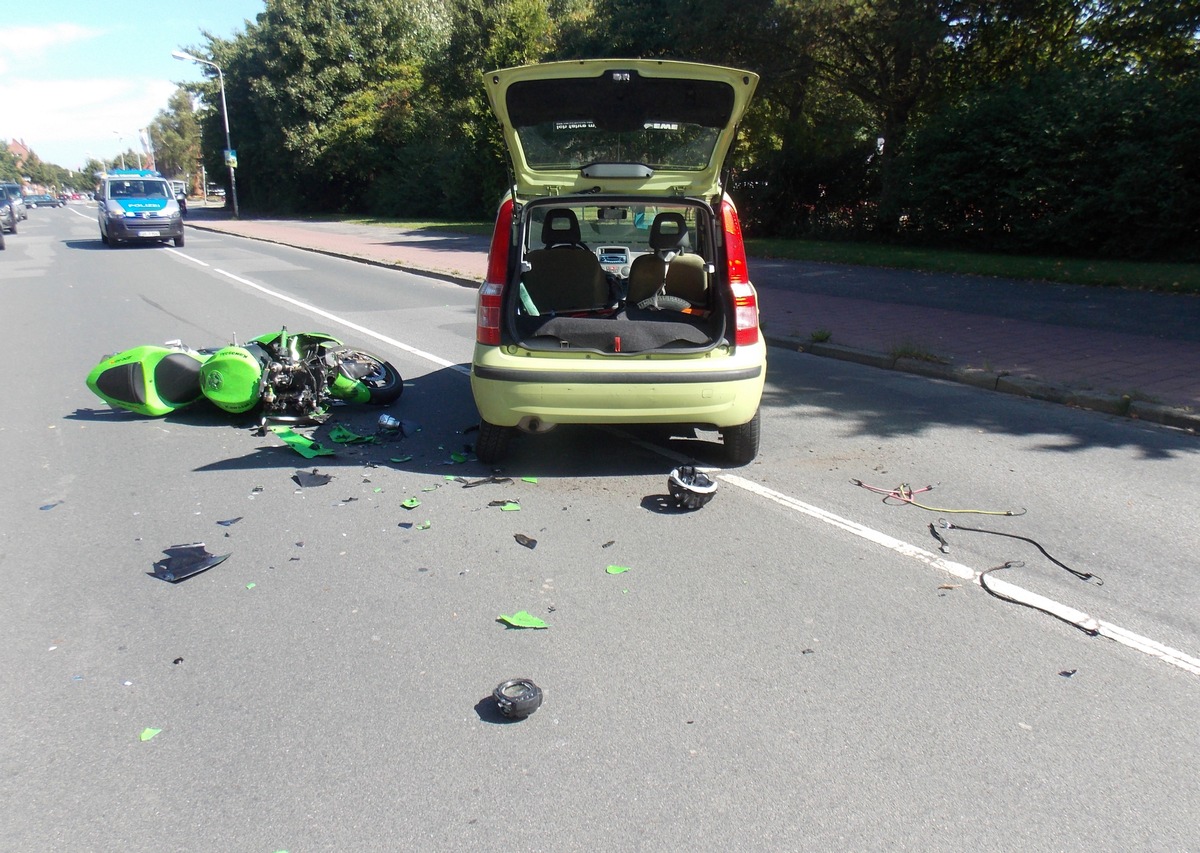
720,390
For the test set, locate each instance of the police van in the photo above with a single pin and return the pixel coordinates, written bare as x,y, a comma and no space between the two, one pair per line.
137,206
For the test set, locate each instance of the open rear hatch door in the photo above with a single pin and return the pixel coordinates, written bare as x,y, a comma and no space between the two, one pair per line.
627,126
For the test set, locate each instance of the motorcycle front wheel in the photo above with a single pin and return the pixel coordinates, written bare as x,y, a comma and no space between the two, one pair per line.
381,379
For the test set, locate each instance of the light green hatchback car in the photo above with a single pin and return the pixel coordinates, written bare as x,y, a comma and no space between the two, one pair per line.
617,290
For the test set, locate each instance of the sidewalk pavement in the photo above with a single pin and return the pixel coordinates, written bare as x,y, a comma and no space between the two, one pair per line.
1114,351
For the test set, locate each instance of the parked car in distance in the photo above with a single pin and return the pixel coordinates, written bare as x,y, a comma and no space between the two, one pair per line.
616,287
16,197
8,218
42,201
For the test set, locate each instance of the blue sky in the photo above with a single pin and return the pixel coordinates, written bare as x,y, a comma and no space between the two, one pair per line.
78,79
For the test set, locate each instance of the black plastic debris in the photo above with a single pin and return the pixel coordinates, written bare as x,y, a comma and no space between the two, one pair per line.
943,545
470,484
177,661
1067,673
517,698
311,479
48,506
184,561
229,522
522,539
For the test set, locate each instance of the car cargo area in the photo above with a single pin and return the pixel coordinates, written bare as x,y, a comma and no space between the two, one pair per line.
616,278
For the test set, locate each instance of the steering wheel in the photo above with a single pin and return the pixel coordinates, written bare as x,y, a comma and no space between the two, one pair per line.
665,302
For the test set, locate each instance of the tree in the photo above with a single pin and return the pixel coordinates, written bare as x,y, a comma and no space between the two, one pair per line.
175,136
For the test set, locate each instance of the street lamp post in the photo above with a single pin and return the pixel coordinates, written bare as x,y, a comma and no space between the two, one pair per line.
121,145
179,54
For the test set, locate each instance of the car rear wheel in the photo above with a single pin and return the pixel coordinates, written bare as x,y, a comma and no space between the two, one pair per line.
493,442
741,442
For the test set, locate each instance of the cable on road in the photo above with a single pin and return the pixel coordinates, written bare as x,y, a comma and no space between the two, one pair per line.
1083,576
1015,564
903,494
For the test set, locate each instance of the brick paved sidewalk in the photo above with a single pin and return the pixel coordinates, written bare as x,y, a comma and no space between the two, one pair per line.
1106,369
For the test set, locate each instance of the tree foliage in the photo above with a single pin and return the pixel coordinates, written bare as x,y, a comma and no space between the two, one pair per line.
1023,125
175,137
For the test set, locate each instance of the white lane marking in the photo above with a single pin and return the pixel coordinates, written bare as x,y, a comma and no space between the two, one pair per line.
186,255
320,312
1127,638
1105,629
77,213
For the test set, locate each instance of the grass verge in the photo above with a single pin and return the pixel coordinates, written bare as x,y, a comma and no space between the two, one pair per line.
1173,278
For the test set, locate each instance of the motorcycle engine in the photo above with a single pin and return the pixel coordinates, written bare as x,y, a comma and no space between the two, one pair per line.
295,390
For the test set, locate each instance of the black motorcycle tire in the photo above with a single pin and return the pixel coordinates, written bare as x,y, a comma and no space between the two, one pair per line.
379,376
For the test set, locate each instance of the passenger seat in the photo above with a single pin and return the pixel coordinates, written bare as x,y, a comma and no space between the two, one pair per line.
669,271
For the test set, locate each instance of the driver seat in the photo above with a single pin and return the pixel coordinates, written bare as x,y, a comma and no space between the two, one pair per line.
566,275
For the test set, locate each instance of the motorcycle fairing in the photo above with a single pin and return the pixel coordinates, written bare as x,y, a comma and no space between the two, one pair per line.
232,377
149,380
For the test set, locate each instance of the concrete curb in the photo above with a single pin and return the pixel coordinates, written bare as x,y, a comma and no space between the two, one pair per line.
1036,389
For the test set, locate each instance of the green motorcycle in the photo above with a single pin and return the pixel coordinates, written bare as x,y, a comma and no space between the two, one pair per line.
281,377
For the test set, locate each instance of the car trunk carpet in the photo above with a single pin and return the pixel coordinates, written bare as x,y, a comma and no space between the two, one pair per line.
639,331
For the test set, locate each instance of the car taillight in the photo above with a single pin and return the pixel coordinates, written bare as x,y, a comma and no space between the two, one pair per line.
745,300
487,307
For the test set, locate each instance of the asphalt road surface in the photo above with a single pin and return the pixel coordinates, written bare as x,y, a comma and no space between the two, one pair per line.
797,666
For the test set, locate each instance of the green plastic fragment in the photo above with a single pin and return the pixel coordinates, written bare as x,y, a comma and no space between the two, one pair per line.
342,435
149,733
424,525
407,458
522,619
458,457
410,503
529,480
303,445
617,570
251,585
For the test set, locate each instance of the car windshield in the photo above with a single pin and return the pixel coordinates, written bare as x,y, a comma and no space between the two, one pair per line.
139,189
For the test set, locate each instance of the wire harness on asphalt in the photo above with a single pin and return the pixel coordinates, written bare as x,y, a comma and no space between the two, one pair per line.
903,494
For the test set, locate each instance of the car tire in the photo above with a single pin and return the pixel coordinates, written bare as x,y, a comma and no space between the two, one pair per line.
492,443
103,237
741,442
179,242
